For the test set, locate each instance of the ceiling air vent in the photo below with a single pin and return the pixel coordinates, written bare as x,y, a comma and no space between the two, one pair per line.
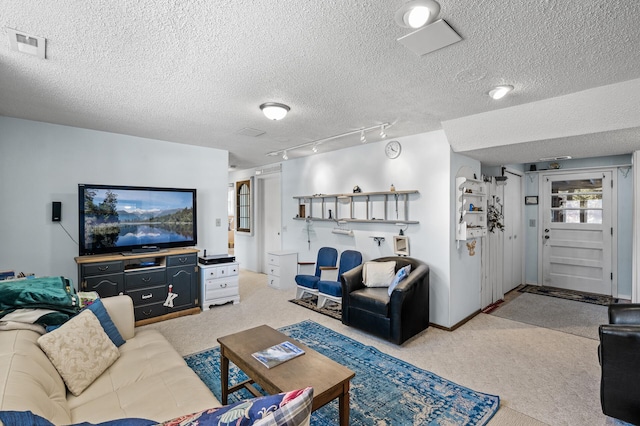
25,43
248,131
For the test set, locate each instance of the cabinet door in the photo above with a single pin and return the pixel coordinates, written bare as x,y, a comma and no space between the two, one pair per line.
105,285
185,284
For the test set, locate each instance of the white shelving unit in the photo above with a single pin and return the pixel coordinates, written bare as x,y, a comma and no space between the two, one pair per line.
363,207
471,209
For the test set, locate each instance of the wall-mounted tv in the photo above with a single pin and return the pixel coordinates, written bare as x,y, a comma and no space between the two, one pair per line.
135,219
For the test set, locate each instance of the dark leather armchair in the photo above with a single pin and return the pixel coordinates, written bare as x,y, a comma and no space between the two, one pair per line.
396,318
619,354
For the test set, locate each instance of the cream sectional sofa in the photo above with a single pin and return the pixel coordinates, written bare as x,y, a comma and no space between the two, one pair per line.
149,380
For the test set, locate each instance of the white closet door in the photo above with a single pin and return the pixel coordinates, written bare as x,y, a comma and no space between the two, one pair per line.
513,232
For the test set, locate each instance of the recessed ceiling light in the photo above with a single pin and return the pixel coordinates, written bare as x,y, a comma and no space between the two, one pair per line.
499,92
274,110
417,13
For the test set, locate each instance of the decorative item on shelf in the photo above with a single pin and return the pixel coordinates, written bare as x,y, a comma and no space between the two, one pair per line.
302,210
392,188
470,207
554,166
356,189
330,214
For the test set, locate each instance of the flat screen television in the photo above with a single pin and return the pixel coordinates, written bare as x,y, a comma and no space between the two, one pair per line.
128,219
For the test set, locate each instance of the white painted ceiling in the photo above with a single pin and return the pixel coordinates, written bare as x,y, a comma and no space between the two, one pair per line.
195,72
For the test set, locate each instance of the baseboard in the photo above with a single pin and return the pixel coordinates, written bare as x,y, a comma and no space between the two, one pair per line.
171,315
457,325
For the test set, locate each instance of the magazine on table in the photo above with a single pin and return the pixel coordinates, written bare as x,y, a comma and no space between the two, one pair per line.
277,354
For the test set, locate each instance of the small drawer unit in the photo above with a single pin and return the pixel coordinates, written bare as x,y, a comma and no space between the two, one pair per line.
282,267
219,284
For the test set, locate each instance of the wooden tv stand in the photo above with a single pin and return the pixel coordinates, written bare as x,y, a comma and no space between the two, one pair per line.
146,278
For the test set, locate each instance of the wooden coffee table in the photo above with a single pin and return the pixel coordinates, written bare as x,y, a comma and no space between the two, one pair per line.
329,379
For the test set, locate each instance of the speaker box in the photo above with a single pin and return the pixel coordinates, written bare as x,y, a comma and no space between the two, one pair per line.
56,211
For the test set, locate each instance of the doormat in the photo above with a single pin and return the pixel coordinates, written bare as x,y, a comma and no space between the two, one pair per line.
578,296
330,309
384,391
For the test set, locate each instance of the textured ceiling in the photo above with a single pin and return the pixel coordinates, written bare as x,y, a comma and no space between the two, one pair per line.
195,72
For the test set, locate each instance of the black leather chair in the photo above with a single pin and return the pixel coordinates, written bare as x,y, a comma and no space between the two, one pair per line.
396,318
619,354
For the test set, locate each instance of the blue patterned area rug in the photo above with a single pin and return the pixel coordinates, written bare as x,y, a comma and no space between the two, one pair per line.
385,390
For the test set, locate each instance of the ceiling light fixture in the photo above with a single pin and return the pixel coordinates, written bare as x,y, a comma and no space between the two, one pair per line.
274,110
319,142
382,133
417,13
499,92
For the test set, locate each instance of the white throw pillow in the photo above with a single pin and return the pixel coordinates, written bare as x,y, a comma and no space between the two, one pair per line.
378,274
80,350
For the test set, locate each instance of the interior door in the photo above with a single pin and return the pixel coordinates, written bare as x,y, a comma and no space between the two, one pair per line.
513,241
577,232
270,217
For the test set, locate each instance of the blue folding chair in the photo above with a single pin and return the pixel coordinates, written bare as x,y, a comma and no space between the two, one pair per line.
332,290
327,256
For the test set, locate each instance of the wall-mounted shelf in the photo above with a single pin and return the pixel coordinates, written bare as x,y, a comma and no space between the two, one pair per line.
359,207
471,205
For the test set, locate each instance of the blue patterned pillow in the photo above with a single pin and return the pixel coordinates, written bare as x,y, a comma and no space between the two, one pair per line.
289,408
110,328
27,418
400,275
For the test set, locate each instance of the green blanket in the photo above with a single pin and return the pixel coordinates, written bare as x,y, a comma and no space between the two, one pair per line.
56,293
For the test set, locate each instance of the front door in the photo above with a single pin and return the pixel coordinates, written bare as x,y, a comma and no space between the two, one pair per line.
576,231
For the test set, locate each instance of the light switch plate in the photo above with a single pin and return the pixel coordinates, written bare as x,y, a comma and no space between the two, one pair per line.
218,222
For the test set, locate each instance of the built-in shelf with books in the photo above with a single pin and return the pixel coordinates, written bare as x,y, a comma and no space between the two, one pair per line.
364,207
471,205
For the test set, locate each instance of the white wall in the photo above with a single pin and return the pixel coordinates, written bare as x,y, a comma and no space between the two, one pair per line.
424,165
466,275
41,163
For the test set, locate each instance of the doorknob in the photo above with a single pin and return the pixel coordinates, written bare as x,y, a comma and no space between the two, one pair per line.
546,237
546,230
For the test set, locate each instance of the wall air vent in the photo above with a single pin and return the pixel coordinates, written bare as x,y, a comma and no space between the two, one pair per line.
25,43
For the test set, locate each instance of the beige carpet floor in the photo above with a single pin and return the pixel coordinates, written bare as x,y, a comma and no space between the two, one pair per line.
568,316
542,376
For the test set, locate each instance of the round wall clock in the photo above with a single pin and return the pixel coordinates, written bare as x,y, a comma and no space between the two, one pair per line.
392,149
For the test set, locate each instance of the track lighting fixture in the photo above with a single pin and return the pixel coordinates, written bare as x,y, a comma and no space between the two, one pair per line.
315,144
